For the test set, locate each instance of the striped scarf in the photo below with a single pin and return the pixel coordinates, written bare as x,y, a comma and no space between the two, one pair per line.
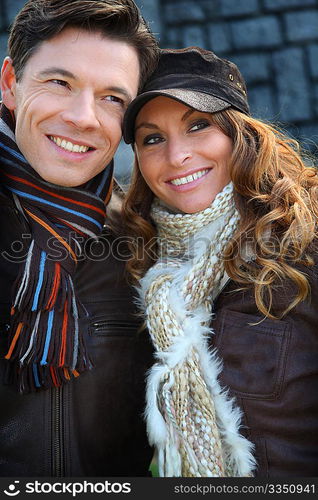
46,345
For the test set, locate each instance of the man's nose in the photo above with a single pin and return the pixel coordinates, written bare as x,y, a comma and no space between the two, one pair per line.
82,112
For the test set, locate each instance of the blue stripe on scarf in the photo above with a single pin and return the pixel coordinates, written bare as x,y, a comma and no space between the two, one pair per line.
42,200
13,153
48,337
36,375
40,281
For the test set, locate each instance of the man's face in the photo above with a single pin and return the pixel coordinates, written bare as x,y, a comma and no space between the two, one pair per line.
69,103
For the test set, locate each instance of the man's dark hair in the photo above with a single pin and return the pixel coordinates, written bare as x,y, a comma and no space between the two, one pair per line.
40,20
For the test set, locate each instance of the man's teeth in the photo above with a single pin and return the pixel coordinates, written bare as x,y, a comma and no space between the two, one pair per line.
189,178
69,146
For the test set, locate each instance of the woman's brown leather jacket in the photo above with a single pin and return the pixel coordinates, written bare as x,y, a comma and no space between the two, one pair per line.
271,367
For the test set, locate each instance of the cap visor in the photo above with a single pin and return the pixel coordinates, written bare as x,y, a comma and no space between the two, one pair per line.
200,101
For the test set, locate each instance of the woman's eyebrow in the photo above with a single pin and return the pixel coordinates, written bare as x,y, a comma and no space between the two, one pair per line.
187,114
153,125
147,125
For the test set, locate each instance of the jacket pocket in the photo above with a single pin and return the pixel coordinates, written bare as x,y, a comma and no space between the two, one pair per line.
112,327
254,355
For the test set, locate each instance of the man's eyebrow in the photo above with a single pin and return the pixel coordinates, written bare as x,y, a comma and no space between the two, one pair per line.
54,70
120,90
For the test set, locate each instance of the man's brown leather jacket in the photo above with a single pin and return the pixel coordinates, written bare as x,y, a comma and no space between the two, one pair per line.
93,426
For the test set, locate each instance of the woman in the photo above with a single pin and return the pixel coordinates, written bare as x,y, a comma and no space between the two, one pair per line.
230,294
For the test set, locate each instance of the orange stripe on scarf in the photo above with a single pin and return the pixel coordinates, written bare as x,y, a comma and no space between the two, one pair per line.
64,329
48,228
55,288
53,375
14,340
81,203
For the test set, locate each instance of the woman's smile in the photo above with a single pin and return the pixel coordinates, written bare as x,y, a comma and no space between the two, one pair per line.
189,181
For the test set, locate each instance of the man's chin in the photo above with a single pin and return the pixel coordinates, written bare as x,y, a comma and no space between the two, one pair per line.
63,180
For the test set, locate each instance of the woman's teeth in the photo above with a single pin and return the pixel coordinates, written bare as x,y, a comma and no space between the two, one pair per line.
189,178
69,146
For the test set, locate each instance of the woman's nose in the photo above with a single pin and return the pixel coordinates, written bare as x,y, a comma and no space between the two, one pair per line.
179,153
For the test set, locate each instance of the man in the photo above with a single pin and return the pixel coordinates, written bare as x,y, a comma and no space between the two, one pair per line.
72,364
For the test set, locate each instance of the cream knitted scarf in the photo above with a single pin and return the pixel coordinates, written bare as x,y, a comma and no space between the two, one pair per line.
191,421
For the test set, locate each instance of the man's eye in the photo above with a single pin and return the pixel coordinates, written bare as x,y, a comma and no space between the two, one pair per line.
199,125
59,82
114,98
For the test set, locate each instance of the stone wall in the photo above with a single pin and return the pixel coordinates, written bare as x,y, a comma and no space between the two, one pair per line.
8,9
275,45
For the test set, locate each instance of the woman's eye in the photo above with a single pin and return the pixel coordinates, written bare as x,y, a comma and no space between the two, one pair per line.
199,126
152,139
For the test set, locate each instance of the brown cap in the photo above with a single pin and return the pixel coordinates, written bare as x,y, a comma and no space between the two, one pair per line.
195,77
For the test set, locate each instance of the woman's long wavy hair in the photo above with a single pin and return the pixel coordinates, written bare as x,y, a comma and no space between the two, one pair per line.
276,194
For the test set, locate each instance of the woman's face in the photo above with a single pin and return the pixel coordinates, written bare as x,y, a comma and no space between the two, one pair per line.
182,155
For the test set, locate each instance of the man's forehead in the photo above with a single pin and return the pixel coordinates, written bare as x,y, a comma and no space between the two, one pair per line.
73,38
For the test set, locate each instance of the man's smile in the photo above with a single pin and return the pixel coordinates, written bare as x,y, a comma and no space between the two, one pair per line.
68,145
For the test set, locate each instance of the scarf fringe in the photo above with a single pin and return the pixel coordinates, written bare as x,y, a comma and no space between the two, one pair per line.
38,341
238,451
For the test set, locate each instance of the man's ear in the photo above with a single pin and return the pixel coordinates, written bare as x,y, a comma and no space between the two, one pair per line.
8,84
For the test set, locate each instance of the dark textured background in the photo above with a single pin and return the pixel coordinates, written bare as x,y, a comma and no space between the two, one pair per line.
274,43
